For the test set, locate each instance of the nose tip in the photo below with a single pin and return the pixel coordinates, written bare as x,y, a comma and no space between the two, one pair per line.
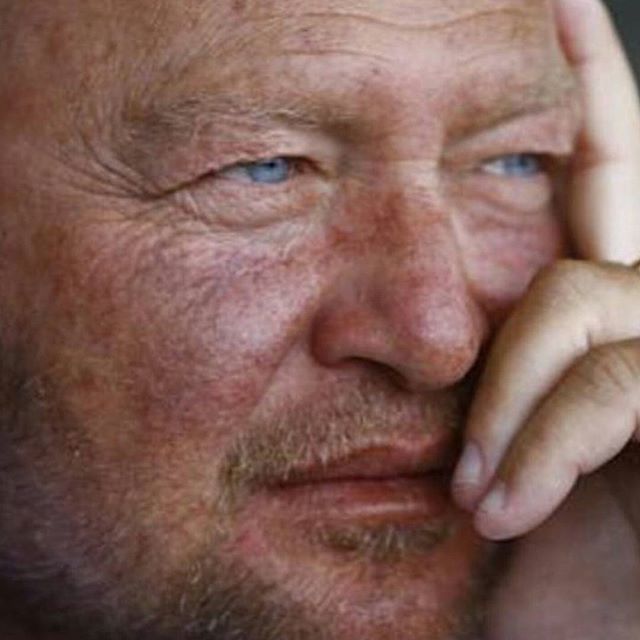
438,341
428,335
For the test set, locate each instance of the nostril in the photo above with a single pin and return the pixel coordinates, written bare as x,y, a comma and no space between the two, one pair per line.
384,371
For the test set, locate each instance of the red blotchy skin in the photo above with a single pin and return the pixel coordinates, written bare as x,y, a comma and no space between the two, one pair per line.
171,309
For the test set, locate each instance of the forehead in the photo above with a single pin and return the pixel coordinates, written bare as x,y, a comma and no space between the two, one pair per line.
333,59
343,61
425,37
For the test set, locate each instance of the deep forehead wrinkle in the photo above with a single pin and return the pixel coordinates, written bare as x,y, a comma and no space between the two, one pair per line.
392,13
434,25
295,27
307,30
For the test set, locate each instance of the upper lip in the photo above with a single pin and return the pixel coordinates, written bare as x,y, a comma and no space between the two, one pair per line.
407,457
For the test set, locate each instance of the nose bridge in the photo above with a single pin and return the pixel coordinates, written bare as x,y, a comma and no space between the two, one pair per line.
410,235
407,303
417,287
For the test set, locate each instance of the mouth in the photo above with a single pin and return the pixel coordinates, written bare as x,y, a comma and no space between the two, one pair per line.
385,502
399,483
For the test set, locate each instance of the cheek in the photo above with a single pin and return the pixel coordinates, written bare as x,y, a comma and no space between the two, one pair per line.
503,250
175,339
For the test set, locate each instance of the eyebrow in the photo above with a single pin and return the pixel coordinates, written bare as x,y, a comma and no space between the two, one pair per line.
165,125
554,91
185,117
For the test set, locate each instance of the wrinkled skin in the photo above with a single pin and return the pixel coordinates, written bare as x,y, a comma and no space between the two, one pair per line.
160,312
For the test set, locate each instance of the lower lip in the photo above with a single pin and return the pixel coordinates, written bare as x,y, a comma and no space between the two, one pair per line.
368,501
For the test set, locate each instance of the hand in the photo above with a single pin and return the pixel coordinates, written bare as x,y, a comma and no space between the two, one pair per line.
560,396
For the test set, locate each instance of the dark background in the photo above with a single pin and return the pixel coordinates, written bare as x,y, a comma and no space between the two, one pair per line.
627,16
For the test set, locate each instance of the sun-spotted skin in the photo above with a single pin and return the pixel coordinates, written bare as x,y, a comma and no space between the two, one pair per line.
156,304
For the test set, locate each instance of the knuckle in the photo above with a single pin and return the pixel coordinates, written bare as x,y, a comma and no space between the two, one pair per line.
564,282
610,372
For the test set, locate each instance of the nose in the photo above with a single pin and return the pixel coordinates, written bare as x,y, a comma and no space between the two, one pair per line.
402,302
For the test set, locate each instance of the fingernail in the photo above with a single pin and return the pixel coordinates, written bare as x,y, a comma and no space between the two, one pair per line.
470,467
495,501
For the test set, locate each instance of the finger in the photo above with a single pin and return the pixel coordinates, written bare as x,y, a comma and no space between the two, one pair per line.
604,209
587,420
571,308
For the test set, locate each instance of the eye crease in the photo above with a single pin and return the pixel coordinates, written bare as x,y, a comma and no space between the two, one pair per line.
515,165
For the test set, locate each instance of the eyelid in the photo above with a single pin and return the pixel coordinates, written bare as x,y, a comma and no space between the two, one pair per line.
551,133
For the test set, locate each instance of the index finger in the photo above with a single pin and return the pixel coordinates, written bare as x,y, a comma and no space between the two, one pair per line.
604,197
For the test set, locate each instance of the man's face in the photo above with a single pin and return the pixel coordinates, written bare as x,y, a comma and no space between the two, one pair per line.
250,254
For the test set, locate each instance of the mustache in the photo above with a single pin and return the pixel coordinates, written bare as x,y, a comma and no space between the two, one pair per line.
331,427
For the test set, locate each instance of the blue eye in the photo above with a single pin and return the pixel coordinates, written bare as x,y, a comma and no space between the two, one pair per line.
272,171
516,165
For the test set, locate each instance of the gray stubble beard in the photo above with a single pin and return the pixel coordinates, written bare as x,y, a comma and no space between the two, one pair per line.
214,599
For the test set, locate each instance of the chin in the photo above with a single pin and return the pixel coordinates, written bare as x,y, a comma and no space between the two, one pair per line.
366,578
